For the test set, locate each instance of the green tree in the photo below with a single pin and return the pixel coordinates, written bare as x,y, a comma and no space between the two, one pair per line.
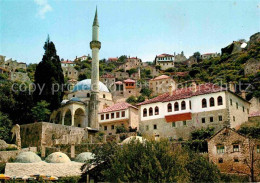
140,98
131,100
146,91
41,112
122,58
49,77
5,127
132,71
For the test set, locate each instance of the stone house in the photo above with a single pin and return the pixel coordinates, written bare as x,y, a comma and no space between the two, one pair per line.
112,59
109,80
131,63
177,113
233,152
13,65
190,61
19,76
160,84
252,66
164,60
70,72
121,75
209,55
67,63
120,114
179,57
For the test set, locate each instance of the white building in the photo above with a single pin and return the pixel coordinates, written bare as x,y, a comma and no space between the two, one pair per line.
165,61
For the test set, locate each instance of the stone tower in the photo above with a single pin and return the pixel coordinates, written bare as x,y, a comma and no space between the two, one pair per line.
95,46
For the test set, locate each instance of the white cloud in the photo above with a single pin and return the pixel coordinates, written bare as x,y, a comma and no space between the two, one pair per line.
43,7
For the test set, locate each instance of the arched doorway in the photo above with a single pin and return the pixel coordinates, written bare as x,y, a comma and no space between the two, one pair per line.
67,118
79,118
57,119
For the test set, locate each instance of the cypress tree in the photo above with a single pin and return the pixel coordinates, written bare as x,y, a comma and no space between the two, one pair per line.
49,76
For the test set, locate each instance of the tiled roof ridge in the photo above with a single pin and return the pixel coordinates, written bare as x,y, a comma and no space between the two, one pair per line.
117,107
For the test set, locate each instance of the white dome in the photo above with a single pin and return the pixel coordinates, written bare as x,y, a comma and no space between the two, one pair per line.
27,157
85,156
133,138
86,85
57,157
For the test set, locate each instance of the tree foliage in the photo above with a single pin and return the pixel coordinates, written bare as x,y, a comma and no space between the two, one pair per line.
49,76
149,162
41,112
5,127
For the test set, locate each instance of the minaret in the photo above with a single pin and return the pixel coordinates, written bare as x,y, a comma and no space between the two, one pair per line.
95,46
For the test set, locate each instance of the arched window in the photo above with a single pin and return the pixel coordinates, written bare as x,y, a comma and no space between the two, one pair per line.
220,100
150,111
176,106
211,102
144,112
88,95
104,96
183,105
156,110
204,103
169,107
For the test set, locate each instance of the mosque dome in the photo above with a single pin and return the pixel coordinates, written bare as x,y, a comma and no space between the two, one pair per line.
27,157
85,156
57,157
76,99
133,139
86,85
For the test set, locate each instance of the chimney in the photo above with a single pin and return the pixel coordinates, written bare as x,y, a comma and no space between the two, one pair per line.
243,94
231,87
170,90
193,86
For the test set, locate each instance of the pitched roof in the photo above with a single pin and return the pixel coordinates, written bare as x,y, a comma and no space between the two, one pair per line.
185,93
160,77
107,76
113,59
180,73
117,107
165,55
254,114
67,62
119,82
129,81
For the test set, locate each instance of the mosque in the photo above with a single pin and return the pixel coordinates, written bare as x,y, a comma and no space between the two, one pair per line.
88,96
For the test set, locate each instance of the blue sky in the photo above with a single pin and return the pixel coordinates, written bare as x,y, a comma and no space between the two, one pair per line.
135,28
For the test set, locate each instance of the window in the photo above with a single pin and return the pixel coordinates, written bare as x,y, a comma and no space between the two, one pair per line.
105,127
184,123
144,112
236,159
230,101
169,107
107,116
220,118
220,149
234,118
220,160
88,95
123,113
154,127
211,119
258,148
190,104
150,111
204,103
247,111
112,127
147,127
237,105
211,102
112,115
243,109
173,124
117,114
220,100
176,106
102,116
104,96
235,148
183,105
203,120
156,110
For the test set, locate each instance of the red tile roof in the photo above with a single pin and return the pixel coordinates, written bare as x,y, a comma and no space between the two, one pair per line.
160,77
165,55
178,117
119,82
107,76
113,59
129,81
254,114
185,93
117,107
67,62
180,73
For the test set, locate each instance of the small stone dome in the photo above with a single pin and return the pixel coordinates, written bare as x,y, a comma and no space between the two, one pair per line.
133,138
27,157
57,157
84,157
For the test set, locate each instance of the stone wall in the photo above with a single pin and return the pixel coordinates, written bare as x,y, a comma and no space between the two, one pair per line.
5,156
180,130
